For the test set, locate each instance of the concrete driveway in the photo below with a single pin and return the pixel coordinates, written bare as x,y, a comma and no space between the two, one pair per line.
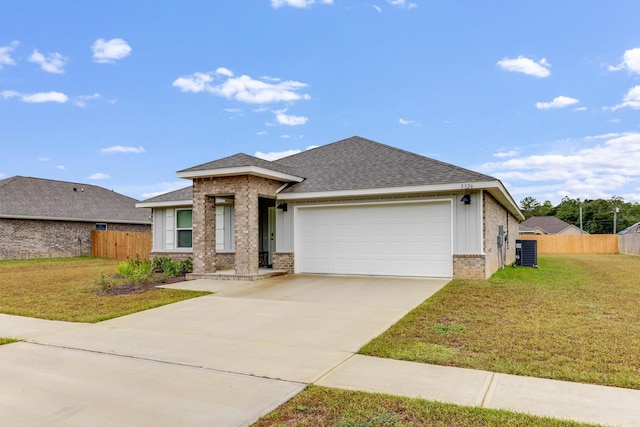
222,360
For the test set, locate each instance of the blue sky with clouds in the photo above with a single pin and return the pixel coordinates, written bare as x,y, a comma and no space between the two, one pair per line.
543,95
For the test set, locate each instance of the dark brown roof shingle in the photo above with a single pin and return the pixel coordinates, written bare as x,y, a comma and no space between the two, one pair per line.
25,197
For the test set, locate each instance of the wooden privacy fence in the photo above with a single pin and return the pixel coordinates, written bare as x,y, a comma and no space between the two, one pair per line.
120,244
574,244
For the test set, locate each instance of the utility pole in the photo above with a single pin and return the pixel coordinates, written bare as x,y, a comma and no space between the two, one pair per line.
580,203
615,220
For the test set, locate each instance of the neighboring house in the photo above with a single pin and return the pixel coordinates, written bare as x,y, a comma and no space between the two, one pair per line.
351,207
632,229
548,225
41,218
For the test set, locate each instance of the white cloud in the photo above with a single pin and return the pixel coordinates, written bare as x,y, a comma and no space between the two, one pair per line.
630,61
243,88
580,109
525,65
558,102
99,175
285,136
43,159
233,110
224,71
614,121
51,62
301,4
630,100
503,154
604,136
275,155
288,120
105,51
81,101
60,167
122,149
402,4
377,8
36,98
262,132
161,188
407,122
45,97
600,170
5,54
196,82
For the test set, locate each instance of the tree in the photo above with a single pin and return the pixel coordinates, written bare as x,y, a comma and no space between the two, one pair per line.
528,205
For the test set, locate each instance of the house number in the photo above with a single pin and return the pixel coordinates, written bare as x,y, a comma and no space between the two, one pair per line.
466,186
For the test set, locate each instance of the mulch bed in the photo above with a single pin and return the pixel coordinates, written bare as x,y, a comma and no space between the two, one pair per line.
131,288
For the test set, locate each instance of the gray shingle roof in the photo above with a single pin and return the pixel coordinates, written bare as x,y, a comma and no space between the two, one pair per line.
25,197
358,163
242,160
550,224
635,228
173,196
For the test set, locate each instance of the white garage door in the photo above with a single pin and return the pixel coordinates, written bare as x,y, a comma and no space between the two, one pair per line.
410,239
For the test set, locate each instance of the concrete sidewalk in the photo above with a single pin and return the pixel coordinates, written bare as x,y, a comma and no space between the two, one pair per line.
558,399
228,358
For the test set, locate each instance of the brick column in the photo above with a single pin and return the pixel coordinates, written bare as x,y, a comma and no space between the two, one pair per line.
204,231
246,227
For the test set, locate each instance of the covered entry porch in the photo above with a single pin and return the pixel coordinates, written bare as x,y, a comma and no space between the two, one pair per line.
252,192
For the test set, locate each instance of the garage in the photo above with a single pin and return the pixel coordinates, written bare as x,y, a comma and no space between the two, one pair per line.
387,239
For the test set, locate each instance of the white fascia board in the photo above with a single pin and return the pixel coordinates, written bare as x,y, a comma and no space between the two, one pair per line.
496,189
44,218
243,170
389,191
166,204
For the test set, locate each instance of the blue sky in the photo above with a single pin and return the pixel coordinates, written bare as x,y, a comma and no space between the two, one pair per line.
543,95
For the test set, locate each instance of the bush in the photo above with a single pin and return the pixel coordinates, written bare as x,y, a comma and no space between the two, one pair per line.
138,271
170,268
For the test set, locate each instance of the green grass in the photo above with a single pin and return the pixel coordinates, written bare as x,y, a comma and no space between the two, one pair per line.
67,289
576,318
7,341
319,406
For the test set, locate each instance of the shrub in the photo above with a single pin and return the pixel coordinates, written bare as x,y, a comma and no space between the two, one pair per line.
170,268
138,271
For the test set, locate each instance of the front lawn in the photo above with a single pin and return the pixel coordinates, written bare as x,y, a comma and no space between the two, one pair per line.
576,318
68,289
319,406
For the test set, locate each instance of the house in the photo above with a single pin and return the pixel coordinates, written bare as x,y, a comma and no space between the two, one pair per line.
351,207
632,229
42,218
548,225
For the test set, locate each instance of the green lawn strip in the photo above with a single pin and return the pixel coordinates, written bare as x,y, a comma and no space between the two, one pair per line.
66,289
319,406
576,318
7,341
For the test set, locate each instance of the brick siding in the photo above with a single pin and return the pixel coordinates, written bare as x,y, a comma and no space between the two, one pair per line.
21,238
470,266
494,214
283,261
246,190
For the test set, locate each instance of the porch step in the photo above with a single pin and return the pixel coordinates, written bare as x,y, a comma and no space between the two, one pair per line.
231,275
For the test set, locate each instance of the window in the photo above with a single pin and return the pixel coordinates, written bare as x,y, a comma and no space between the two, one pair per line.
101,226
184,228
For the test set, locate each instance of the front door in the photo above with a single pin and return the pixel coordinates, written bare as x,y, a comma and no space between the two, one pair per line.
271,232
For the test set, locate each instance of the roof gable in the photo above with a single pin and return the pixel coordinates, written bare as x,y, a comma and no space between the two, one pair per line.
548,224
25,197
239,164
